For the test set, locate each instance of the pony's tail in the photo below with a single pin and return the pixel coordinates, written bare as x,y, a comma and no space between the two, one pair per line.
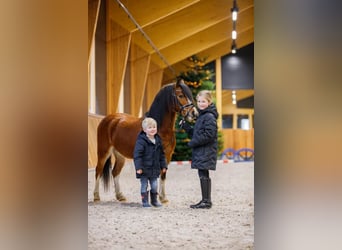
106,174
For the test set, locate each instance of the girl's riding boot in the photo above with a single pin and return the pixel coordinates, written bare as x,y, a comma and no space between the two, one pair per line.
206,194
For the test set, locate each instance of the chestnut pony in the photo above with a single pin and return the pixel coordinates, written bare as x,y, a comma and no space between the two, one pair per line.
117,133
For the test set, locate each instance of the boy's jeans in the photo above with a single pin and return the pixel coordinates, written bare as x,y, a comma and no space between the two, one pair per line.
153,184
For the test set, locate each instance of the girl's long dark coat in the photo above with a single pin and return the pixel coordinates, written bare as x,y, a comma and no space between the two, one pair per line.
148,156
204,140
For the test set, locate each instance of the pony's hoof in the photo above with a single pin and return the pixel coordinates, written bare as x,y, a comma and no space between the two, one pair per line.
120,197
96,197
163,200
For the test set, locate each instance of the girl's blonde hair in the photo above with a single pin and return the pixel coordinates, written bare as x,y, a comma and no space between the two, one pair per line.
148,121
206,94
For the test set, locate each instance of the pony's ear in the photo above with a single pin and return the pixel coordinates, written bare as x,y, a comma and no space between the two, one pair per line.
179,82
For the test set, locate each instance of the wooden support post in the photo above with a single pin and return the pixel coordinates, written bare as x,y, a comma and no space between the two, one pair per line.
93,13
219,92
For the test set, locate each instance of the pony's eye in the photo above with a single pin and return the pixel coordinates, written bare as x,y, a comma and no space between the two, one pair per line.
181,96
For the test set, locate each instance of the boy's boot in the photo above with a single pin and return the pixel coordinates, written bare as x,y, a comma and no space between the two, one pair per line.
154,200
144,198
206,194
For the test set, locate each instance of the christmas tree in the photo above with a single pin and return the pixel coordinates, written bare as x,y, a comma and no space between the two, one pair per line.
198,77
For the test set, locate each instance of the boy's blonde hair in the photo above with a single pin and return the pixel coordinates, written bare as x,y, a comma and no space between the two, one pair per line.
148,121
206,94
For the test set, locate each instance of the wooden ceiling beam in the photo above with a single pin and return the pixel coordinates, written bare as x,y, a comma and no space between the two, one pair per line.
208,38
199,43
224,47
185,26
187,22
220,49
145,12
181,28
184,23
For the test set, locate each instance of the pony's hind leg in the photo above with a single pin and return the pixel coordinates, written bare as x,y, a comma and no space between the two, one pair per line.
119,164
103,158
162,194
97,185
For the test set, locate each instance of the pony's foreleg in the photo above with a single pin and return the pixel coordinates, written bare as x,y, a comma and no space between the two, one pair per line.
119,164
162,194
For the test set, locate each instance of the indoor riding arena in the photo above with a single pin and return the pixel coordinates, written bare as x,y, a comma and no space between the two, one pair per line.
151,59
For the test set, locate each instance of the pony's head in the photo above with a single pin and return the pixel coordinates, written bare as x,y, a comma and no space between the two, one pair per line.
173,98
185,102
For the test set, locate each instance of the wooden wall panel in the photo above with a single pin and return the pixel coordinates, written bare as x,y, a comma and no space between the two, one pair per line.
154,83
238,138
228,138
140,61
250,139
118,42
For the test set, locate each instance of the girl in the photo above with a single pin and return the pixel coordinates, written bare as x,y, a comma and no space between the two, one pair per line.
204,145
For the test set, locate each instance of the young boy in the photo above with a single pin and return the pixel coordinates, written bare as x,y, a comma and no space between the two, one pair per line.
149,160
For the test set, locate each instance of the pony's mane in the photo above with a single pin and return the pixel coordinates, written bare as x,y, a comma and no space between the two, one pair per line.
162,104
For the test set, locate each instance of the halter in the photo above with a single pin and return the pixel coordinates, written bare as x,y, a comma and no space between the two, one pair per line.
182,107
